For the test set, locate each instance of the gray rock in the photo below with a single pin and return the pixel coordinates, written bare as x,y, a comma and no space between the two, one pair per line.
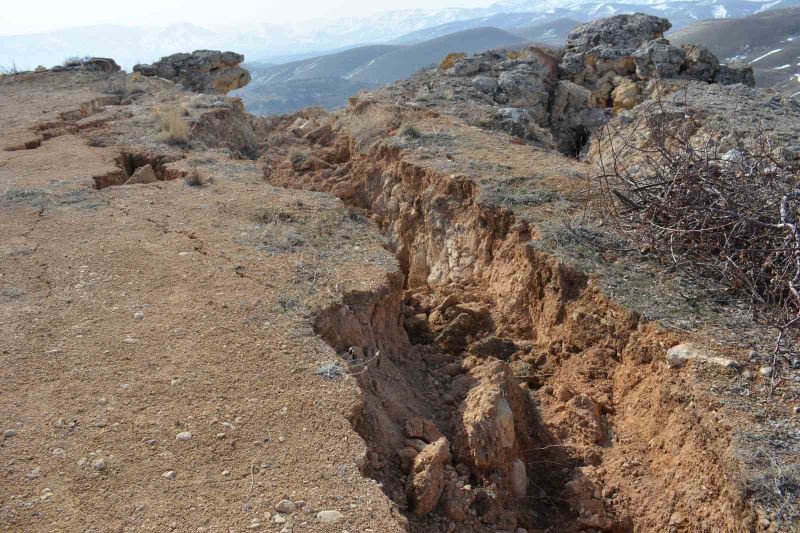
735,73
7,434
568,99
658,59
485,84
99,464
100,64
524,86
514,120
169,474
609,39
204,71
329,517
468,66
142,175
286,507
679,355
183,436
519,479
700,64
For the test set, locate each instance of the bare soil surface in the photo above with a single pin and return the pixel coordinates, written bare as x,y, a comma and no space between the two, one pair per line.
132,314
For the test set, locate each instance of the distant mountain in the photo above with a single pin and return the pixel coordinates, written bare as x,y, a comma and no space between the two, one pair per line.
339,65
401,63
769,41
329,80
261,41
552,33
504,21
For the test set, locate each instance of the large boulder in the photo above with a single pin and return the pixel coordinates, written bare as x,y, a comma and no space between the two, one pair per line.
700,63
735,73
426,480
525,87
203,71
608,44
658,59
491,435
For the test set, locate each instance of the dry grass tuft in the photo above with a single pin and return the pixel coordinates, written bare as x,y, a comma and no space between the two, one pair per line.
195,178
176,129
410,131
450,60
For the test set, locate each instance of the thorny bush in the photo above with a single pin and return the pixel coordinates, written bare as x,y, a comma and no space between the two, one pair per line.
731,217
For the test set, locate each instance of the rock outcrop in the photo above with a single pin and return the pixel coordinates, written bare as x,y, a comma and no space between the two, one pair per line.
90,64
203,71
558,99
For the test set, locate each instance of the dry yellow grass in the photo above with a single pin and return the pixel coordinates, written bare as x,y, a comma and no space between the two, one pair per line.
450,60
176,130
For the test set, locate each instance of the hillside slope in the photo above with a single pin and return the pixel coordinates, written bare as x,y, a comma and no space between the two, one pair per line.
770,41
403,62
329,80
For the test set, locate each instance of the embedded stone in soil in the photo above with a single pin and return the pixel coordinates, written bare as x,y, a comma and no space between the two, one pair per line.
139,168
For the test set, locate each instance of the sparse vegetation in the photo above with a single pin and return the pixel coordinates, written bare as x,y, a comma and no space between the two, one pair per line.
10,70
176,129
730,217
195,178
117,85
75,61
410,131
330,371
450,60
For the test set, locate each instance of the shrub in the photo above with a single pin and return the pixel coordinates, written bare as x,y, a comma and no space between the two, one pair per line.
75,61
450,60
9,70
730,217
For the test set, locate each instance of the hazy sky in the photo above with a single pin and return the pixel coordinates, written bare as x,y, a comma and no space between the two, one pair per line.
25,16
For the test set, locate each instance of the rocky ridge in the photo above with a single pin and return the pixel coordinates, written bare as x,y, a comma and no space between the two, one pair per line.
204,71
557,99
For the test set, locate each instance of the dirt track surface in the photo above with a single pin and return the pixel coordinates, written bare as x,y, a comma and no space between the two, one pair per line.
131,314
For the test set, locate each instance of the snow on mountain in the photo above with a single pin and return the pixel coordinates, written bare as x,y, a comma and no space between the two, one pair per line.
261,41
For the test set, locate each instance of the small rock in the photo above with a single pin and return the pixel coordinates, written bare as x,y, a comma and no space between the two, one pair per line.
279,519
766,371
169,474
59,452
99,464
183,436
226,472
564,393
679,355
138,315
33,474
255,524
7,434
329,517
286,507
